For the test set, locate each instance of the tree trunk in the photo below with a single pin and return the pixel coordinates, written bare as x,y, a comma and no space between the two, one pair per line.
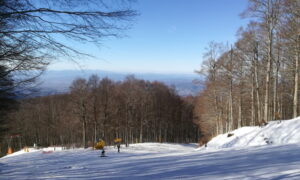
230,118
84,134
270,26
95,132
95,122
267,90
126,130
141,132
240,112
295,98
230,94
275,98
257,84
216,109
252,101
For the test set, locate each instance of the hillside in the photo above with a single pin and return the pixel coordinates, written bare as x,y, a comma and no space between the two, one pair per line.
245,155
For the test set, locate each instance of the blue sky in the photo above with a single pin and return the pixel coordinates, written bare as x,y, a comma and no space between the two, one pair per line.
169,36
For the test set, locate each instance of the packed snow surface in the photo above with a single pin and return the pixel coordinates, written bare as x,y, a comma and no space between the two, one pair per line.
269,152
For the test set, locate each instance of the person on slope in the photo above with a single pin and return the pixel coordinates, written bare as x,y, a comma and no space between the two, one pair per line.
118,143
100,145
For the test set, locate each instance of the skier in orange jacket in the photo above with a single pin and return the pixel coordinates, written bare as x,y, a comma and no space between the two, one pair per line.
100,145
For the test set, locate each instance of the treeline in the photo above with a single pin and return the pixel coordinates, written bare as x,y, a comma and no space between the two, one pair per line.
256,79
134,110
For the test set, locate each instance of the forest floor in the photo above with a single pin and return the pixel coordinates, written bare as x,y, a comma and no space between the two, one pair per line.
250,153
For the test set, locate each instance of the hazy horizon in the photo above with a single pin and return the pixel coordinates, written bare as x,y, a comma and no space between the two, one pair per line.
59,80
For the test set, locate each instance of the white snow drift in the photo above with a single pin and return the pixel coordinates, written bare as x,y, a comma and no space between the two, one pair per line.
275,132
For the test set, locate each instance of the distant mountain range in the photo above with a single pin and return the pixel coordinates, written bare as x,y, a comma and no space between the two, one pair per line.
53,82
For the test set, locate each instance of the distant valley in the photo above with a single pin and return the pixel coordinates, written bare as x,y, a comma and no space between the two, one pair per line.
54,82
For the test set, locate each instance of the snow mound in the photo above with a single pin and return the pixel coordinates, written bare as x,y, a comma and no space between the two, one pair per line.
31,150
275,132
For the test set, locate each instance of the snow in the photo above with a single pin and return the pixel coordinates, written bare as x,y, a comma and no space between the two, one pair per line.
30,150
275,132
269,152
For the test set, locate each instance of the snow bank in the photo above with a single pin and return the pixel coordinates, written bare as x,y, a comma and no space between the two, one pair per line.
21,152
31,150
275,132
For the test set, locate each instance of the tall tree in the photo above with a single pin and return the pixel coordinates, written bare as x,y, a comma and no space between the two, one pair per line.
79,91
290,30
93,84
7,99
267,12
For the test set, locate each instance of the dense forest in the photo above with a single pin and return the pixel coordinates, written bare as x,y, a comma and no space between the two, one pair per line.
256,79
134,110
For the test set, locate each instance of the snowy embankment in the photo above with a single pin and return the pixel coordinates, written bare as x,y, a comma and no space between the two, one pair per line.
269,152
275,132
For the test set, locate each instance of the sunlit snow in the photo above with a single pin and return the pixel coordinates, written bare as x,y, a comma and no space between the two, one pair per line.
269,152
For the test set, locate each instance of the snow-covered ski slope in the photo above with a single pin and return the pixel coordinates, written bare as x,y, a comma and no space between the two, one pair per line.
270,152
